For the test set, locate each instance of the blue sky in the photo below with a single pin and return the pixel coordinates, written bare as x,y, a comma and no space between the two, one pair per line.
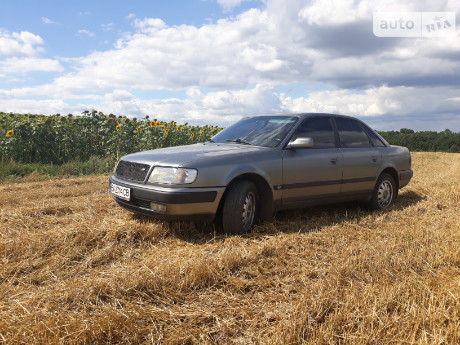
213,61
59,21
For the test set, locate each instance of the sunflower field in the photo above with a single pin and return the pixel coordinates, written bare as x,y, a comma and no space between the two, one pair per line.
57,139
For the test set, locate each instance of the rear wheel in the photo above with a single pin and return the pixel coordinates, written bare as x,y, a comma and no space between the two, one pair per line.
240,206
384,192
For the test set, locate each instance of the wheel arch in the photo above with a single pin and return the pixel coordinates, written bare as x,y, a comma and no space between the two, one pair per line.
265,193
393,173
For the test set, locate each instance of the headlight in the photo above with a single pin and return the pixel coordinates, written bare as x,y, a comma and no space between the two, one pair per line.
169,175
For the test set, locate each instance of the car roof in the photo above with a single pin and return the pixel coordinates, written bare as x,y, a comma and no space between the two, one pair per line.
305,115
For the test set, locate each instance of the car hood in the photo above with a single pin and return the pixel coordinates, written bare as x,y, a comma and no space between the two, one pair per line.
187,154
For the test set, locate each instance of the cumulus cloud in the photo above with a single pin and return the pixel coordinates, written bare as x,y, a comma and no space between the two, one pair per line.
149,23
219,107
382,107
337,12
48,106
223,55
25,65
278,44
20,43
374,101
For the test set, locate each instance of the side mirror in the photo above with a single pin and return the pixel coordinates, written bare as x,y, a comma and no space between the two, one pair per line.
301,143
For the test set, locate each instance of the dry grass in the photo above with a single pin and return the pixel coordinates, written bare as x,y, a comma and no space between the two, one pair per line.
76,269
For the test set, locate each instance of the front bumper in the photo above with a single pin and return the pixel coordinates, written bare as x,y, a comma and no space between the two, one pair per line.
175,203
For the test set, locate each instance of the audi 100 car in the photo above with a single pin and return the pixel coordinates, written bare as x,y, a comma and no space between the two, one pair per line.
261,165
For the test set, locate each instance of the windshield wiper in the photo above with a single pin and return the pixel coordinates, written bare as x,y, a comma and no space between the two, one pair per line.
210,140
239,141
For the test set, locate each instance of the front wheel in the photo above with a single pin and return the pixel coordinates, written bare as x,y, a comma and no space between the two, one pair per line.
384,192
240,206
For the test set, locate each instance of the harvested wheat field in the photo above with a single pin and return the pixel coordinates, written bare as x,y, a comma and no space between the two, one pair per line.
77,269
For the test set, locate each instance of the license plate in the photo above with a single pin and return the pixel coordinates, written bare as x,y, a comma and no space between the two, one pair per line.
121,192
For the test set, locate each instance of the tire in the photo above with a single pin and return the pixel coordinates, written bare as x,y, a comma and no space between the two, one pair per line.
384,193
240,207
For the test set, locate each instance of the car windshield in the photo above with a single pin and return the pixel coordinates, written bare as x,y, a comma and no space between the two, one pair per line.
268,131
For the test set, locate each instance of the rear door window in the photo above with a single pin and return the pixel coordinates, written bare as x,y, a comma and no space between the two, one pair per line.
374,137
351,133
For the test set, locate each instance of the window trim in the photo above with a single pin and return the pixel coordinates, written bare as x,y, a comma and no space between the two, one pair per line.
367,129
333,126
371,144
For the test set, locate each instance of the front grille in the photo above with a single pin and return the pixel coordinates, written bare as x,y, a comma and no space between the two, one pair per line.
132,171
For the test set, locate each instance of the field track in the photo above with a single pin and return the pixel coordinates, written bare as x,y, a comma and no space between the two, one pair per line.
77,269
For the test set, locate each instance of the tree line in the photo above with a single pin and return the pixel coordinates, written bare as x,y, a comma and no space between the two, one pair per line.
427,141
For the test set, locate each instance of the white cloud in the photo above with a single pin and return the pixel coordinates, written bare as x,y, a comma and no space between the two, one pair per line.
84,32
25,65
408,103
333,12
432,108
46,20
149,23
20,43
224,55
221,107
48,106
229,5
119,96
272,46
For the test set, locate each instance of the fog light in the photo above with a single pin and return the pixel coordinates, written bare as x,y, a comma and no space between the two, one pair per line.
158,207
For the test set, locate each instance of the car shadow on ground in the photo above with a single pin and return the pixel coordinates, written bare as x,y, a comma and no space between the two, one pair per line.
302,220
313,219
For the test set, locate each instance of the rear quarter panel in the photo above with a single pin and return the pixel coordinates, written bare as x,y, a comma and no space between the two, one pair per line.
396,157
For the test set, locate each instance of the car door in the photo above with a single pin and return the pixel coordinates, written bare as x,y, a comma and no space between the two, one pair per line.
361,160
312,173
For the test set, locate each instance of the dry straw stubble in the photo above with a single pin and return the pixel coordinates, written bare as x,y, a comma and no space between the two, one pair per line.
76,269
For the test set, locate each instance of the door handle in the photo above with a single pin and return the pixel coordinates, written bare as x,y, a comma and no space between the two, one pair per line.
374,159
334,161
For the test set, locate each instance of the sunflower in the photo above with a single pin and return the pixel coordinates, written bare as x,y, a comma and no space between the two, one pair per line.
202,132
192,135
153,123
9,133
118,128
179,128
138,129
166,132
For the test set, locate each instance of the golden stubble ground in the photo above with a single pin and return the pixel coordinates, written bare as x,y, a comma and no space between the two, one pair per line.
77,269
